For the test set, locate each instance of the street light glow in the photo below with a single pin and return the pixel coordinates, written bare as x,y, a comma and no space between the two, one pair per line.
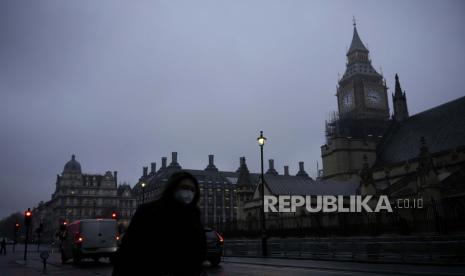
261,139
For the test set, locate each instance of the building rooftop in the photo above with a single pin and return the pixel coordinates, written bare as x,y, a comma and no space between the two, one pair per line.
442,127
296,185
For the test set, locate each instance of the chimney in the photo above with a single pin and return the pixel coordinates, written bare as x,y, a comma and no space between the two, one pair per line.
211,163
286,170
302,171
244,175
144,170
174,157
271,169
241,164
174,161
153,168
163,162
115,176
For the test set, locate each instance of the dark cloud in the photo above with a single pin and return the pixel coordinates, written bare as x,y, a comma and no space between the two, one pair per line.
121,84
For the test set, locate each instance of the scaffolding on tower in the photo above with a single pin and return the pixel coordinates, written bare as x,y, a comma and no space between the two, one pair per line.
331,126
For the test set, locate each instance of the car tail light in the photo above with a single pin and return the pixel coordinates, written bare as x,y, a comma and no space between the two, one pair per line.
117,237
220,238
78,239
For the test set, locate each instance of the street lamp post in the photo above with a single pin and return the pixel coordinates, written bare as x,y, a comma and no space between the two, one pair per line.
261,142
27,223
143,191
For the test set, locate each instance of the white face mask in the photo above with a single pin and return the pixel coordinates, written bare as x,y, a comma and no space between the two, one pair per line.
184,196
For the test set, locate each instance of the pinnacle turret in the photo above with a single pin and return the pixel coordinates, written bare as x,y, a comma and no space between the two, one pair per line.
399,101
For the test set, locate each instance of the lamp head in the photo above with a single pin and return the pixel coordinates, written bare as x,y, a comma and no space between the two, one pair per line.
261,139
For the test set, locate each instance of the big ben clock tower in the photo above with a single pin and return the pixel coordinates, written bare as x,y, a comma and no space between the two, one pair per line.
362,95
363,115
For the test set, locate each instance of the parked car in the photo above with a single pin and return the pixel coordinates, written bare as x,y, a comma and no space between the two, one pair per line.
215,244
90,238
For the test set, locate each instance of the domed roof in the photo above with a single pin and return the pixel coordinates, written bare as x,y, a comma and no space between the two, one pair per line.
72,166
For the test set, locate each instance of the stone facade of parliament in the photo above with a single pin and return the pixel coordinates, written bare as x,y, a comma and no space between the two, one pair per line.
399,155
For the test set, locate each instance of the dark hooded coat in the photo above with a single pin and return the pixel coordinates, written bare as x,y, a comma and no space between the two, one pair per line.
164,237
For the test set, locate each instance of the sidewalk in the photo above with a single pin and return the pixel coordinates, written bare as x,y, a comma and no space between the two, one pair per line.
13,264
346,266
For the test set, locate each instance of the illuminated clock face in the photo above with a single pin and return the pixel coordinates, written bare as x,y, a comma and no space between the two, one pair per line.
373,98
347,100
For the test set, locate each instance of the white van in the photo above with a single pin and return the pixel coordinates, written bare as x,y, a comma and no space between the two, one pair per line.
90,238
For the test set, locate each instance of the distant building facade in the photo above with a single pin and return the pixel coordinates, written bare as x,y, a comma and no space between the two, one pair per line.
223,194
79,196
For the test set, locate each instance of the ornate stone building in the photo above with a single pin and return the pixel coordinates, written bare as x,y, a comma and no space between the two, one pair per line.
79,196
399,155
363,125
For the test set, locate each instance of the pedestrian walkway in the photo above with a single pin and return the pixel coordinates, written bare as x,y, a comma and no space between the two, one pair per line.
13,264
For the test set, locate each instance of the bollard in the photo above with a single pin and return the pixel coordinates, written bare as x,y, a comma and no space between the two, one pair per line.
44,256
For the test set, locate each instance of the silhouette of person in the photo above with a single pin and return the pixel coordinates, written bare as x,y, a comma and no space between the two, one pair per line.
3,246
166,236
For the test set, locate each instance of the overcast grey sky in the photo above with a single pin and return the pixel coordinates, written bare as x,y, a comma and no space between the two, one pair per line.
122,83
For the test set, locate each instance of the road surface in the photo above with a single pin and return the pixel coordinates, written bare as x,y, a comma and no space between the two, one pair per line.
13,264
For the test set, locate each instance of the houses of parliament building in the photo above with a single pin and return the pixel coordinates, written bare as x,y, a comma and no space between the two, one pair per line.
405,155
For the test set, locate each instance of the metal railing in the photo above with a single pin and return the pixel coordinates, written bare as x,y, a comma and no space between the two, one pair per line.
384,250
